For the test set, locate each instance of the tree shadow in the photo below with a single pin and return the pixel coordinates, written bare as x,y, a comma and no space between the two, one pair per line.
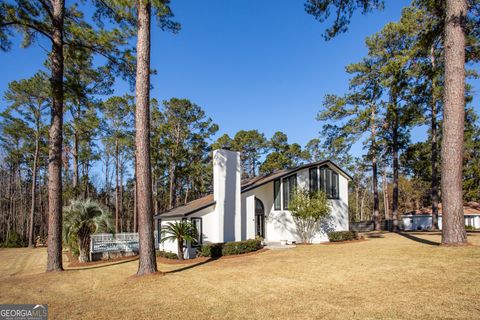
191,266
100,265
417,239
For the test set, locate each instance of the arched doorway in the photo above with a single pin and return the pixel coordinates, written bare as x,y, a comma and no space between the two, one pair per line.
259,218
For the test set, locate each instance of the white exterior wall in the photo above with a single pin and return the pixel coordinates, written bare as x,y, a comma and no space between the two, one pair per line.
210,227
279,224
424,222
226,192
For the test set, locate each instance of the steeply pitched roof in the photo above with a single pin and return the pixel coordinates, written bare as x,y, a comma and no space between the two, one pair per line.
246,185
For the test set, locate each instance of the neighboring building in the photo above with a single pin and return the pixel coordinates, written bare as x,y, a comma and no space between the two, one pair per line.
422,219
239,210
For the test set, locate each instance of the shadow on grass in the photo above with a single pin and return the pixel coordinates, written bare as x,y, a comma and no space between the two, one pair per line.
374,235
191,266
417,239
102,265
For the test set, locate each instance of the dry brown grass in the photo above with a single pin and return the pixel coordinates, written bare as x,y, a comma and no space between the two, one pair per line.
385,277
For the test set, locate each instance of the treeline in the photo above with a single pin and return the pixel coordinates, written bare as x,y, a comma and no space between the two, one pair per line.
99,155
414,72
398,86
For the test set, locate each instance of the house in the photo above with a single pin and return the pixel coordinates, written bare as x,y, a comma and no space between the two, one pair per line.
422,219
240,210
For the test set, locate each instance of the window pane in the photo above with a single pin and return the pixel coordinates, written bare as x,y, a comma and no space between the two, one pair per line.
276,192
313,180
286,193
328,183
322,180
197,222
335,185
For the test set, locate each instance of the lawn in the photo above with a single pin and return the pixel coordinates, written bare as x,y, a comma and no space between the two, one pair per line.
386,276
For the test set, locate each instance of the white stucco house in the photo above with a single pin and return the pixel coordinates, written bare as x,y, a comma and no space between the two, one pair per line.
240,210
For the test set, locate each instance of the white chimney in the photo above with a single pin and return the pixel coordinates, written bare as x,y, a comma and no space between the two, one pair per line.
226,193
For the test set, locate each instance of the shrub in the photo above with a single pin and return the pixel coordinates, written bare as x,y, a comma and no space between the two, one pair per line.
308,211
216,250
337,236
470,228
166,254
14,240
213,250
241,247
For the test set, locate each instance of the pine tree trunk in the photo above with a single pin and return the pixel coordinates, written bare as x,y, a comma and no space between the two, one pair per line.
386,200
33,194
75,160
453,223
376,213
434,147
395,165
117,188
147,263
54,252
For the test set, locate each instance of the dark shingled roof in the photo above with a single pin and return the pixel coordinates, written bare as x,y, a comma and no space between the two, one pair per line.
189,208
246,185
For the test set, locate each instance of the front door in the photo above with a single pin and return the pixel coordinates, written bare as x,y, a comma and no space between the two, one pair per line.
259,218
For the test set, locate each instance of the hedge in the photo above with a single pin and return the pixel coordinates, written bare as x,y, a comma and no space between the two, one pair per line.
216,250
337,236
166,254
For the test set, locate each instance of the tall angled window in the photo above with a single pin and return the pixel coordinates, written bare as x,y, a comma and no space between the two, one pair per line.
277,204
329,182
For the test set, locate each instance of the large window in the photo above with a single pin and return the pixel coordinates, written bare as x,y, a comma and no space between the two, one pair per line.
328,182
197,222
277,203
313,179
289,187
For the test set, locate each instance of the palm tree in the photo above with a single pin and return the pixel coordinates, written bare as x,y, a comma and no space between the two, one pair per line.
81,219
180,231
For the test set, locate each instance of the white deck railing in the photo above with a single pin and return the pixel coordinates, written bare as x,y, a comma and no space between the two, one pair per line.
108,242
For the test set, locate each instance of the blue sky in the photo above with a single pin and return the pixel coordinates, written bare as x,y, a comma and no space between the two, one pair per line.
251,64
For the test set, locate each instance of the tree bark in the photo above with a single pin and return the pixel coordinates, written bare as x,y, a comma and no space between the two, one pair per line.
453,223
434,147
147,263
33,192
395,164
54,252
75,162
386,200
117,187
376,213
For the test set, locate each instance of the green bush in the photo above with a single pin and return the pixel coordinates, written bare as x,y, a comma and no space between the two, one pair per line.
216,250
166,254
14,240
470,228
241,247
337,236
213,250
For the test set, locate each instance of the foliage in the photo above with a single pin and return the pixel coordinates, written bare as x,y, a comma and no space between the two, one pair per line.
179,231
241,247
81,219
14,240
216,250
166,254
308,211
213,250
282,154
338,236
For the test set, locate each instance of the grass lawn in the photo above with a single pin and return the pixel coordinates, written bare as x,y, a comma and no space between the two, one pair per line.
391,276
